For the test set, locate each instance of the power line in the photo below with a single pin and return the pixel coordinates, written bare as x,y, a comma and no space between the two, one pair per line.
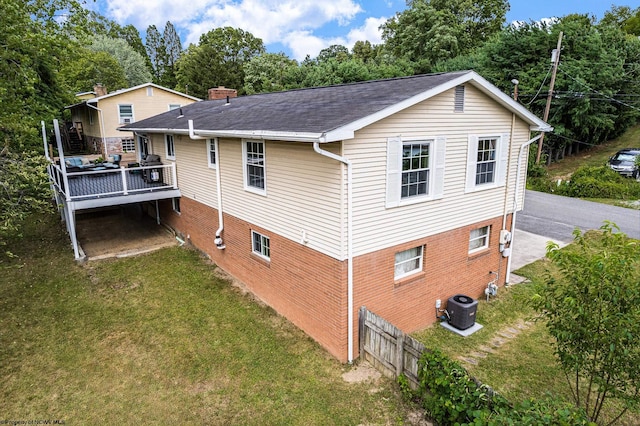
597,92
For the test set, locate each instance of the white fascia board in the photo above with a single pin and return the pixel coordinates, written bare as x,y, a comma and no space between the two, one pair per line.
239,134
140,86
348,131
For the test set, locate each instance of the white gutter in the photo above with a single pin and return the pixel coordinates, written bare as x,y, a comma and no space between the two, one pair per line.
218,241
248,134
345,161
104,135
515,201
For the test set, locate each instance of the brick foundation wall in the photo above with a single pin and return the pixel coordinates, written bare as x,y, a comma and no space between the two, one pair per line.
305,286
310,288
448,269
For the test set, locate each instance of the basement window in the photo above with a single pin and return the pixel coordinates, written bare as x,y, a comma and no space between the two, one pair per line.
479,239
408,262
260,245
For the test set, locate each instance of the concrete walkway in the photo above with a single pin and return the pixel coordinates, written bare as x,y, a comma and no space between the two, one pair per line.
526,249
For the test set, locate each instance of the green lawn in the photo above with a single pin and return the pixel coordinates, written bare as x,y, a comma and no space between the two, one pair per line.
160,339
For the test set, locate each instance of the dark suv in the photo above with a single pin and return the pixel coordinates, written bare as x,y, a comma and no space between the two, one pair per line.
624,162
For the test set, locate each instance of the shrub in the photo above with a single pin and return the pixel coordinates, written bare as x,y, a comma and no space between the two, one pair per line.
451,396
599,182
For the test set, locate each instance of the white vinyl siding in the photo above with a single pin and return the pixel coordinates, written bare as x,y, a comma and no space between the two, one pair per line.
487,158
479,239
415,170
376,226
311,205
212,153
408,262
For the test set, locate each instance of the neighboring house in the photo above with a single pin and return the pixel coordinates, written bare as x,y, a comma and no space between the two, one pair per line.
99,115
389,194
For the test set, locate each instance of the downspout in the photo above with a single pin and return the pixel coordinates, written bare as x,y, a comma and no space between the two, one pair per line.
343,160
515,200
104,135
218,241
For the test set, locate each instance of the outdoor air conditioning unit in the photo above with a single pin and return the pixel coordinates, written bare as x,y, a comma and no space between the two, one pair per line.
462,311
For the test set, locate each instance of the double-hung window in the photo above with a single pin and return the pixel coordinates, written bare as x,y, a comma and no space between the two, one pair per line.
479,239
408,262
170,147
415,170
487,158
125,114
254,166
212,159
260,245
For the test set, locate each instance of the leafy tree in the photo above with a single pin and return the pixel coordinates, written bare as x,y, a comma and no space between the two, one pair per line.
335,51
131,61
90,68
34,43
269,72
24,189
217,60
593,313
432,30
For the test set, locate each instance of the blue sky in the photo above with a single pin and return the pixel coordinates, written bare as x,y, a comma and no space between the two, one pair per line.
301,27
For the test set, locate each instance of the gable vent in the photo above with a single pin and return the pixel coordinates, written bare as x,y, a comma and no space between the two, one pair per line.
458,104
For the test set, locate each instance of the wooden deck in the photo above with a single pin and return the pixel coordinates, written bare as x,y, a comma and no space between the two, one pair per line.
109,187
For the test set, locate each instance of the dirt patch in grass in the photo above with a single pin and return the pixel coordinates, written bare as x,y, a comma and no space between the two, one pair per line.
119,232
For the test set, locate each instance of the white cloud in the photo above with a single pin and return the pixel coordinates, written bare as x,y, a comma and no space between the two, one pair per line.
297,24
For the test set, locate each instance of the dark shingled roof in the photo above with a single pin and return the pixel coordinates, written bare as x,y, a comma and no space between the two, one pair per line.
312,110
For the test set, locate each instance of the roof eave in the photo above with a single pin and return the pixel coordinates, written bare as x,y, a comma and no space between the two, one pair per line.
239,134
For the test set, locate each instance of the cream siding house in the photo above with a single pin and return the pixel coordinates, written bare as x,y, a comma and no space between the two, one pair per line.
388,194
100,114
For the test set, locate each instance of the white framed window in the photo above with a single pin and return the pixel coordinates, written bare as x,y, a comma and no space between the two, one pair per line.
173,106
487,159
254,167
91,117
170,147
149,91
260,245
479,239
128,145
175,203
212,153
125,113
408,262
415,170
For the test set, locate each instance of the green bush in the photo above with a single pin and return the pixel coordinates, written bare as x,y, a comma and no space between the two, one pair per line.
599,182
451,396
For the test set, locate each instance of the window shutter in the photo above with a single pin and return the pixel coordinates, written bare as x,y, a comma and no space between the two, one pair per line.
394,171
503,160
438,175
472,158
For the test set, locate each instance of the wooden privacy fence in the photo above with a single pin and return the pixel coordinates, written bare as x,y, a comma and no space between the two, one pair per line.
387,348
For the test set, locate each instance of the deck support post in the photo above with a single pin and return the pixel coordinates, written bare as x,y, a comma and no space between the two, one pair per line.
157,213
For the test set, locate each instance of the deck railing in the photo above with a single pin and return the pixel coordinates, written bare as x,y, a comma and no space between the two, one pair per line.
90,184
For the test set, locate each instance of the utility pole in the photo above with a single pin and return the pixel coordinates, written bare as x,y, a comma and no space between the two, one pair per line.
555,60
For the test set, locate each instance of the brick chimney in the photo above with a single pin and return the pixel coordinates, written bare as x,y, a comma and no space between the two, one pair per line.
99,89
222,92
